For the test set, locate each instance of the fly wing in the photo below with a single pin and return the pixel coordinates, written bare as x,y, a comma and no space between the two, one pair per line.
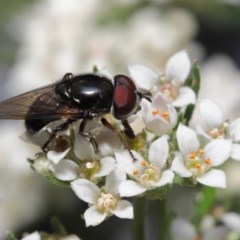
41,103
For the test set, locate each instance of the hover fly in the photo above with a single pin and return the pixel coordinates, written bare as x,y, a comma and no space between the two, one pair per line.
85,96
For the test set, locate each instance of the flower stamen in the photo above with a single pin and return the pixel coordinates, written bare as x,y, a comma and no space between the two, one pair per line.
106,202
196,162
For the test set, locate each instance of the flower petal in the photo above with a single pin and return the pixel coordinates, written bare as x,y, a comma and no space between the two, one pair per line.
213,178
86,190
185,96
124,209
173,116
113,181
41,163
187,140
179,167
83,148
158,151
218,232
235,152
178,67
218,151
144,77
55,157
146,108
158,126
166,178
33,236
130,188
182,230
107,165
108,142
204,136
232,221
65,170
93,217
126,163
211,114
234,129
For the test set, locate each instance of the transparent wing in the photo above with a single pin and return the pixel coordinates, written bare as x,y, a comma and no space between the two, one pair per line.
41,103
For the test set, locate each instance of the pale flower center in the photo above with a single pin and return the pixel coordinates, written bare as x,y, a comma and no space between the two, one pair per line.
149,175
88,169
196,162
169,90
106,202
220,132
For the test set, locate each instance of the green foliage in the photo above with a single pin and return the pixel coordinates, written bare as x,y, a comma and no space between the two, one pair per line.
48,175
158,193
11,236
57,227
204,203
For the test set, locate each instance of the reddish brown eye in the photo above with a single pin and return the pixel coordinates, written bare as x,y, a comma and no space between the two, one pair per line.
125,97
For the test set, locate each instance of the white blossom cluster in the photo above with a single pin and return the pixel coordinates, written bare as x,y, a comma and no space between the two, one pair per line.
165,151
182,229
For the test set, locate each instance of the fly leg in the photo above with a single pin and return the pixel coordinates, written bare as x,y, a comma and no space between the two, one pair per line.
127,129
59,128
88,136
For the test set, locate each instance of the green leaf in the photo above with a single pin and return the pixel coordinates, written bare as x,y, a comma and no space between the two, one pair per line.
158,193
95,69
204,203
57,227
11,236
196,78
48,174
188,113
193,82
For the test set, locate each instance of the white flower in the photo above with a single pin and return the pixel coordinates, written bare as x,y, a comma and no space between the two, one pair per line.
108,142
159,115
70,237
144,77
32,236
36,236
232,221
182,229
103,202
94,169
145,175
193,161
215,127
68,170
62,168
171,85
177,70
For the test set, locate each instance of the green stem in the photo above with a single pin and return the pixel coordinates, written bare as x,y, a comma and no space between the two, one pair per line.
139,216
163,221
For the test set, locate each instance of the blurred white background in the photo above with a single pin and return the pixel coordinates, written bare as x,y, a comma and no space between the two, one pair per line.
42,40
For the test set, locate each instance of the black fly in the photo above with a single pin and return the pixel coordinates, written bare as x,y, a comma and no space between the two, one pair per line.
85,96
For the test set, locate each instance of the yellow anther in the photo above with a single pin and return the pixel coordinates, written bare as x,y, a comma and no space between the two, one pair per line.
144,163
155,111
135,172
201,151
192,155
207,161
165,114
198,166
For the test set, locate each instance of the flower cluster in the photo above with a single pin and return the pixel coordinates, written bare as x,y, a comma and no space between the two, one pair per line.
225,226
165,151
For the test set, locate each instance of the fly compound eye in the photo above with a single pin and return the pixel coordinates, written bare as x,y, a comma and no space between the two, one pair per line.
125,98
